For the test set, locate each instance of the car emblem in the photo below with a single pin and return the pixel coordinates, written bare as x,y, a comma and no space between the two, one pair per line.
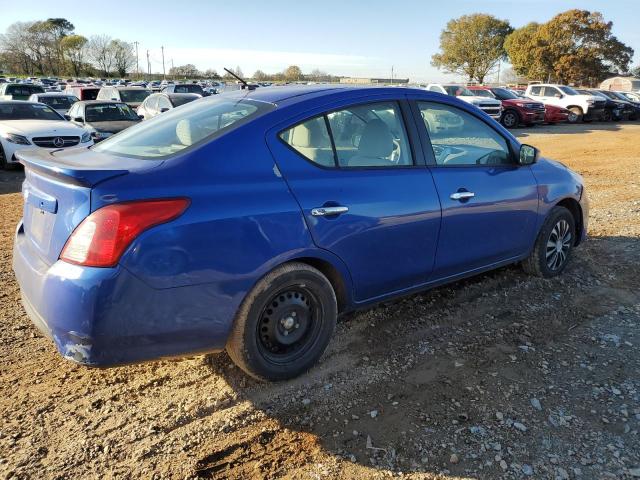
58,142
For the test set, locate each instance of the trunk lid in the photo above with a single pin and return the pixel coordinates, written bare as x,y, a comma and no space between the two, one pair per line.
57,192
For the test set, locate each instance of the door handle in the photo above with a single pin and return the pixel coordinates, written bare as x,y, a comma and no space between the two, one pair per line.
327,211
461,195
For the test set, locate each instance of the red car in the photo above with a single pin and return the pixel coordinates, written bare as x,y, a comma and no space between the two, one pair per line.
515,110
555,114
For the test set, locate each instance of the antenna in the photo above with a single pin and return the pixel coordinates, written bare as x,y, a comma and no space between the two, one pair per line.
242,80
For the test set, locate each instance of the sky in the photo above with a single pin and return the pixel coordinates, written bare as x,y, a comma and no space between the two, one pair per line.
342,37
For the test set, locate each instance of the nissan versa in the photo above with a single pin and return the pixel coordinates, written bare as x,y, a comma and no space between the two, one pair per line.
250,220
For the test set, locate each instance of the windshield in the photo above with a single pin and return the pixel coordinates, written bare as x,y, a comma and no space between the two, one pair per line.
109,112
134,96
27,111
568,91
458,91
188,88
483,93
504,94
180,128
59,103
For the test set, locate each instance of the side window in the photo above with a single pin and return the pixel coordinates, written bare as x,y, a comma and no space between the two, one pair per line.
311,139
163,102
460,139
152,103
537,91
370,135
551,91
73,112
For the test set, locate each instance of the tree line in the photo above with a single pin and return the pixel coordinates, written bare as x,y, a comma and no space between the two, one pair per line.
292,73
51,47
576,47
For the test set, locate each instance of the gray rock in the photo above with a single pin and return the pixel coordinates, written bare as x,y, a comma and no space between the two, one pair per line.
535,403
527,470
519,426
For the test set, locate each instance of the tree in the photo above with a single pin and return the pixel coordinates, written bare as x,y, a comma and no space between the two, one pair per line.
185,71
292,73
100,51
74,50
635,71
124,57
472,45
576,46
211,73
259,76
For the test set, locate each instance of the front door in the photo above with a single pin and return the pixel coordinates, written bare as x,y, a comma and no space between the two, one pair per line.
489,202
365,193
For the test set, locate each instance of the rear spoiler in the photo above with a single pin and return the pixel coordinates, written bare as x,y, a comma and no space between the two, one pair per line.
65,167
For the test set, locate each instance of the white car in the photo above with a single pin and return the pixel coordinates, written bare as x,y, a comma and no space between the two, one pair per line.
60,102
583,107
491,107
32,125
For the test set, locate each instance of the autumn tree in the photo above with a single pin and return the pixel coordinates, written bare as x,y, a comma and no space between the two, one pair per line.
292,73
576,46
472,45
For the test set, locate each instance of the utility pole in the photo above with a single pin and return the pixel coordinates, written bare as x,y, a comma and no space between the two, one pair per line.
391,74
164,75
136,43
148,65
172,70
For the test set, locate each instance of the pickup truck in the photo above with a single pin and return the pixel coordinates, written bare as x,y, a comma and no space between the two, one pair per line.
491,107
584,107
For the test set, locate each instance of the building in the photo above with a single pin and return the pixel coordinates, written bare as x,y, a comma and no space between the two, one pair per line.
621,84
365,81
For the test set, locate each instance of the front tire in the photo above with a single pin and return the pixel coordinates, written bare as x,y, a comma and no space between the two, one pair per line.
284,324
553,246
510,119
575,116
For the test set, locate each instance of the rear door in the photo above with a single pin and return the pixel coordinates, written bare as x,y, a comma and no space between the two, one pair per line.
364,190
489,202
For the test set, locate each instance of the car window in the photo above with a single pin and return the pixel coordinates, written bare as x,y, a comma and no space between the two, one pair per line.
152,103
536,91
551,91
59,103
27,111
182,127
163,102
133,95
460,139
370,135
109,112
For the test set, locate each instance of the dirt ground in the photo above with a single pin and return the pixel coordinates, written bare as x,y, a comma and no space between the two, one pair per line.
499,376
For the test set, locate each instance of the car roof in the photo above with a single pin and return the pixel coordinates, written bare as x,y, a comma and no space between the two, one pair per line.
100,102
53,94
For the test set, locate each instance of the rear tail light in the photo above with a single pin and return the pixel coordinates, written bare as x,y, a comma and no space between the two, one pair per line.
102,237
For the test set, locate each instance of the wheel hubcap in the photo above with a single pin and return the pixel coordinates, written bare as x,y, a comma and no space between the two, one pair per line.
287,324
558,245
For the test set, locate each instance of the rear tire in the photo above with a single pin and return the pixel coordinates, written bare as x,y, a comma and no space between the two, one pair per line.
553,246
577,115
284,324
3,160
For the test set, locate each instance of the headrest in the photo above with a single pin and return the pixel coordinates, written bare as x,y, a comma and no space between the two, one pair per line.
376,140
309,134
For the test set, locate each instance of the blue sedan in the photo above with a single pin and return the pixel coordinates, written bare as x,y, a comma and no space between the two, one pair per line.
249,221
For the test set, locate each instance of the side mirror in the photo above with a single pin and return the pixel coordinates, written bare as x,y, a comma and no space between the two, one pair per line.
165,109
528,155
558,95
78,119
114,99
141,117
66,117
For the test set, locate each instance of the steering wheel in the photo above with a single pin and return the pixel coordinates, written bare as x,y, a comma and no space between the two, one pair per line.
442,153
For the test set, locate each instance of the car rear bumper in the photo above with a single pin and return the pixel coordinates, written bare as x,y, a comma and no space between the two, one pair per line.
106,316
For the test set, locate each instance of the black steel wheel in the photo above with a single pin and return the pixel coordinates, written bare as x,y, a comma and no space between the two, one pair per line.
284,324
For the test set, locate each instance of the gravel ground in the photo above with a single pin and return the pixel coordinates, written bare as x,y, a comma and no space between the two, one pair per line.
499,376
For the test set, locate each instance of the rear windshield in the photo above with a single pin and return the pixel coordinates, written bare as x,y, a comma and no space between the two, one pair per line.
27,111
109,112
178,129
59,103
89,93
134,96
177,101
188,88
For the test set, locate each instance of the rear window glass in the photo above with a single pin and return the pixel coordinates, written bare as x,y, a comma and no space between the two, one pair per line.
134,96
188,89
59,103
109,112
181,128
89,93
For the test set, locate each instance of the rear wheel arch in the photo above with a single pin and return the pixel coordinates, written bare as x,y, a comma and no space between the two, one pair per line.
334,276
574,207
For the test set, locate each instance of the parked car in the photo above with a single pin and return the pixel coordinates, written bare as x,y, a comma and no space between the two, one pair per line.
60,102
184,88
18,91
101,118
554,114
82,92
25,125
163,102
491,107
584,107
614,110
250,220
633,96
631,109
132,96
515,110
